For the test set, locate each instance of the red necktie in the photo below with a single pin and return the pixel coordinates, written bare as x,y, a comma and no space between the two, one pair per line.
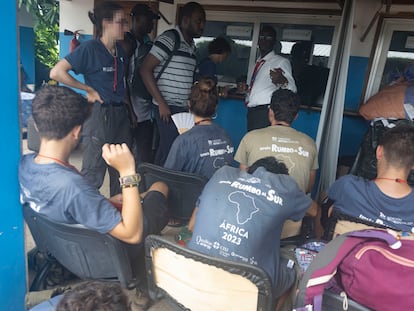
259,65
256,69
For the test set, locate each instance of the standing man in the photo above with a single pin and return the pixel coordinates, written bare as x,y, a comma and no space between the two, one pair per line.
295,149
270,73
171,89
142,19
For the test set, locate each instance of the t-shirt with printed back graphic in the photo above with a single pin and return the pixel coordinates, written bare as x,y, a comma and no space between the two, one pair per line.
201,150
64,195
295,149
101,70
240,216
361,198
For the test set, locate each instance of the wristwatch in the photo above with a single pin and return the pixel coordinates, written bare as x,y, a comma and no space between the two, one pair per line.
130,181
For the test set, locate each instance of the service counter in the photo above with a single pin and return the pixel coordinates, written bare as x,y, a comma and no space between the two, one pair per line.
231,115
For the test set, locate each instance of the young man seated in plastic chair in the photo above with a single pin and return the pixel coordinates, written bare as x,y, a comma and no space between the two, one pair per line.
55,188
387,200
240,216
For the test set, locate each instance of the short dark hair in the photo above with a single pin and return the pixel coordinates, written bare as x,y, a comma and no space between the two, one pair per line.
269,29
95,296
285,105
188,9
270,164
219,46
204,98
141,9
398,144
103,10
57,110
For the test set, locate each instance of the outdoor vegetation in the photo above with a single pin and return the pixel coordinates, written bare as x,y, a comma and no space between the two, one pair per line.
46,28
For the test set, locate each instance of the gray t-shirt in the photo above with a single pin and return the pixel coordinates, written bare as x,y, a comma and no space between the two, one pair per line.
62,194
201,150
240,216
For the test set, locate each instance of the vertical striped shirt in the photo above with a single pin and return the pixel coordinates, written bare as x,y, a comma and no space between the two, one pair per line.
176,80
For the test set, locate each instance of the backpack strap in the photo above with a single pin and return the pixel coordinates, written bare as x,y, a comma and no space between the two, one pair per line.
177,42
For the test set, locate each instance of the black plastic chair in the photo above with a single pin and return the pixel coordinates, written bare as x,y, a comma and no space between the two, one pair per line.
84,252
184,188
365,164
194,281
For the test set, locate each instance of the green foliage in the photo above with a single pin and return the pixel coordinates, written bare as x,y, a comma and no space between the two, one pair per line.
46,28
46,45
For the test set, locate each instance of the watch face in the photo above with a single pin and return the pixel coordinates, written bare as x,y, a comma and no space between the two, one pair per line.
130,179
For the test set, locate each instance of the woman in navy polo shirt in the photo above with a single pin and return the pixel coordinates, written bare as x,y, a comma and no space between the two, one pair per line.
101,62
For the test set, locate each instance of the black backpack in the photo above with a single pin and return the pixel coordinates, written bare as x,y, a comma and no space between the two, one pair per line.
138,87
365,164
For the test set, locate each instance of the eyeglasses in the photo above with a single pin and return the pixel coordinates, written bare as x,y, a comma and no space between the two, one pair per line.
267,38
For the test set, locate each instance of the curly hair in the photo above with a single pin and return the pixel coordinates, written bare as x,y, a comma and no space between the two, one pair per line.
57,110
188,9
204,98
270,164
219,46
95,296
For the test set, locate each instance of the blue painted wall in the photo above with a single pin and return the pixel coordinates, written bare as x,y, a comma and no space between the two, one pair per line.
353,128
12,259
27,53
231,114
355,82
64,50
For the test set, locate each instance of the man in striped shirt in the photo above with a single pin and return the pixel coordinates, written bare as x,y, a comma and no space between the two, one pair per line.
171,89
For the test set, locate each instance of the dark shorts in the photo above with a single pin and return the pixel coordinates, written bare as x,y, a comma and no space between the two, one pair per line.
155,211
286,278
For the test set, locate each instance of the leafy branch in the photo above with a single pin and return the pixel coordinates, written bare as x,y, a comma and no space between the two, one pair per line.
46,28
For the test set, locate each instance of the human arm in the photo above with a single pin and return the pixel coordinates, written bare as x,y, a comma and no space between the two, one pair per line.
312,210
60,73
128,102
130,229
147,74
281,74
191,223
312,177
243,167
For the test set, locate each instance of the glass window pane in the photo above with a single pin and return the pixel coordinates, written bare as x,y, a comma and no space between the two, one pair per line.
399,55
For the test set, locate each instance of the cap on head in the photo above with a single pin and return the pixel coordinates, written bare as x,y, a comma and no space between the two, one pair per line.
143,10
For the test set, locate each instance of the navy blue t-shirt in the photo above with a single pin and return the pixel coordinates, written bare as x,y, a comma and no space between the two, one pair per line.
361,198
206,68
102,71
201,150
64,195
240,216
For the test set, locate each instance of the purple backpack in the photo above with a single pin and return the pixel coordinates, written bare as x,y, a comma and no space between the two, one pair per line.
372,267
